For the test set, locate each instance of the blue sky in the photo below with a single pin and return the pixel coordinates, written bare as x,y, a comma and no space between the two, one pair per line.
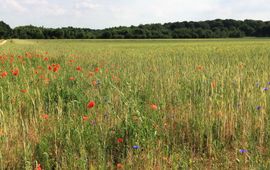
108,13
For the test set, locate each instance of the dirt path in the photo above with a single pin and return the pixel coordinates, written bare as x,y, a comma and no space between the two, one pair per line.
3,42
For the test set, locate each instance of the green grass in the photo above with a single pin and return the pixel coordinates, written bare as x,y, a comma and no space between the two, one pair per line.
207,93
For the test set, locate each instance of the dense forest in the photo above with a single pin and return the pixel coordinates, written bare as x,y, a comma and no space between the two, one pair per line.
204,29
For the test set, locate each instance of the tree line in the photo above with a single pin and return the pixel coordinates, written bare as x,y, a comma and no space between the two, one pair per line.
203,29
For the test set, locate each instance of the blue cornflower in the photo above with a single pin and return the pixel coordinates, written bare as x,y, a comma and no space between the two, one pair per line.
258,107
265,89
242,150
269,83
135,147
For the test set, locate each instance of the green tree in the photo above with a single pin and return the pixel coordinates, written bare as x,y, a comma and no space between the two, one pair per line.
5,30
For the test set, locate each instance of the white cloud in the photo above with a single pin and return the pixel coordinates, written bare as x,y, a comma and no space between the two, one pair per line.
86,4
13,4
34,7
81,8
108,13
35,2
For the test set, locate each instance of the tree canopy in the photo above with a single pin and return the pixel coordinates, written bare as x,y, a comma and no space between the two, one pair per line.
5,30
203,29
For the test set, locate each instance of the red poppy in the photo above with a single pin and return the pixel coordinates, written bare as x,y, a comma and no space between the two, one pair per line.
120,140
46,59
38,167
213,84
23,90
50,67
45,116
15,72
199,68
11,60
153,107
56,67
91,104
94,83
72,78
4,74
119,166
97,69
79,68
85,118
41,76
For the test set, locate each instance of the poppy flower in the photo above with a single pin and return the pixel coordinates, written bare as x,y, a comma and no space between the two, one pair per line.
153,107
50,67
213,84
72,78
85,118
96,69
56,67
38,167
46,59
91,104
45,116
11,60
120,140
15,72
94,83
23,90
4,74
119,166
79,68
199,68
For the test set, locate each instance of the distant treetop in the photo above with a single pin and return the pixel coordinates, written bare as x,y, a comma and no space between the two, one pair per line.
203,29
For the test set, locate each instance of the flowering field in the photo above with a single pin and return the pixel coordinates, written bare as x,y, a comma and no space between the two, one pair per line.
161,104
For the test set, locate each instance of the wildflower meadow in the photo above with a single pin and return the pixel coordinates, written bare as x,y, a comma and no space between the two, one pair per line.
140,104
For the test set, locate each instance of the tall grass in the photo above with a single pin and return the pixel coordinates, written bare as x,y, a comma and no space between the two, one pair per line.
212,101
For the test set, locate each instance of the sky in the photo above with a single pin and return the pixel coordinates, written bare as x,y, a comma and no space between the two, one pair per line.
99,14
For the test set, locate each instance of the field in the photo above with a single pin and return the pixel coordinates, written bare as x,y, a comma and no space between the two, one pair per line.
134,104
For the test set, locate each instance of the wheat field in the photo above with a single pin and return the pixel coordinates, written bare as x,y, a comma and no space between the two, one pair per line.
135,104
